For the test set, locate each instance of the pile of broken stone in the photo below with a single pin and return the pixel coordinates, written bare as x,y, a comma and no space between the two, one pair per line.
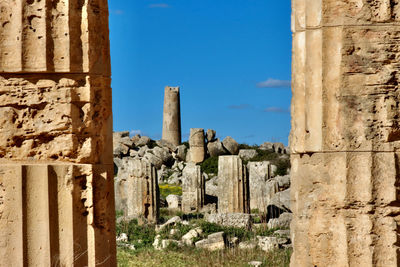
170,162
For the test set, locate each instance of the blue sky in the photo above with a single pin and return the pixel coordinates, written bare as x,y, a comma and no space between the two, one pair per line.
232,60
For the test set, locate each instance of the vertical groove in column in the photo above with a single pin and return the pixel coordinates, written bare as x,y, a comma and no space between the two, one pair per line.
50,26
11,215
36,207
331,71
76,35
10,34
58,45
297,135
313,88
54,222
80,203
34,36
105,247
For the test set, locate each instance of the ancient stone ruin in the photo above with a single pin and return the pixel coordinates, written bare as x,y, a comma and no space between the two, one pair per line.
345,133
233,185
172,116
260,191
137,192
197,145
193,188
56,164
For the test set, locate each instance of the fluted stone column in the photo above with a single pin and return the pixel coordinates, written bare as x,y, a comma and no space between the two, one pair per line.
197,145
172,116
137,190
56,166
260,191
345,133
233,185
193,188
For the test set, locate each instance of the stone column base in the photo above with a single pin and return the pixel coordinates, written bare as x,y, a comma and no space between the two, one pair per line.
57,215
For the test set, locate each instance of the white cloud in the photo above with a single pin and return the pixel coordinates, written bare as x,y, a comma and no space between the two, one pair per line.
161,5
274,83
277,110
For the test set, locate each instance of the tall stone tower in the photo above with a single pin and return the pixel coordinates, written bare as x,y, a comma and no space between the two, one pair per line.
56,165
172,116
233,185
345,133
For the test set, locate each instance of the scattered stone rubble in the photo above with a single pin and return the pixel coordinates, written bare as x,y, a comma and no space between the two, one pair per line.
256,187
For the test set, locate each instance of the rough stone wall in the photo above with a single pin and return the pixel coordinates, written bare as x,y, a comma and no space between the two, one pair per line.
197,145
137,190
172,116
345,133
193,188
56,166
233,185
260,191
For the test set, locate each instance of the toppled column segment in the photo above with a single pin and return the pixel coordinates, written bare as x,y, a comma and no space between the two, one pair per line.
233,186
345,135
172,116
56,162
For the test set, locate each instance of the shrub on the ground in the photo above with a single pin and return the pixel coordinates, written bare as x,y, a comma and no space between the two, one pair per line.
140,235
210,165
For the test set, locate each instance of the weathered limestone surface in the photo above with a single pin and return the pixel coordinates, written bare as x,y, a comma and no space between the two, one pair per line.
193,188
172,116
137,190
345,133
197,145
56,158
233,185
261,192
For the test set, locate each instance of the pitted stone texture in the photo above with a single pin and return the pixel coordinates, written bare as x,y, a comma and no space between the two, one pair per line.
355,76
56,156
193,188
341,202
137,190
345,134
197,145
67,36
56,117
331,13
172,116
43,204
233,185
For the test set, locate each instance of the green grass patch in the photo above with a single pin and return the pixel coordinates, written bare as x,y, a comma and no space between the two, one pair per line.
192,257
167,189
141,236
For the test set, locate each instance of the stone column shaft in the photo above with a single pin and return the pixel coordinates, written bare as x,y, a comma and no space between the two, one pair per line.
137,188
193,188
260,192
56,166
197,145
233,185
172,116
345,134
